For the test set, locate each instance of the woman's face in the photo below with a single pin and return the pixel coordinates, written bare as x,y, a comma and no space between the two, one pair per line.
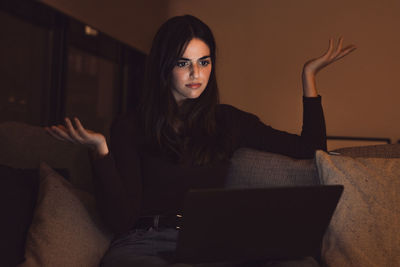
191,73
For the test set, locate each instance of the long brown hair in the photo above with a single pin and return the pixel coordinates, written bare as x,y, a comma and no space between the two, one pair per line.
190,127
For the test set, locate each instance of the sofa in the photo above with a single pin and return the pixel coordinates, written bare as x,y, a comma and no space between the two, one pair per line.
49,213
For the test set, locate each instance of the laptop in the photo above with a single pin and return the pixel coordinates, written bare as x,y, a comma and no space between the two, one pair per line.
229,225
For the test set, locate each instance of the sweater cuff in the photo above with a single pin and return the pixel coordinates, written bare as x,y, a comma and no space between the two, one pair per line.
101,164
316,99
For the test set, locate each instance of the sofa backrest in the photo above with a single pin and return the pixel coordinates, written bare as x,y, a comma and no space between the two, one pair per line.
253,168
25,146
375,151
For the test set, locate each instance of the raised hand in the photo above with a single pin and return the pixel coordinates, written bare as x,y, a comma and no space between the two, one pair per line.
79,135
313,66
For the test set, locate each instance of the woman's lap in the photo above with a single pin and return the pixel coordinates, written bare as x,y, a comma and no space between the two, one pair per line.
144,248
140,248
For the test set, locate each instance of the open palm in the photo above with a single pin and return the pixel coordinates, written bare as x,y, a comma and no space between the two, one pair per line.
313,66
77,135
330,56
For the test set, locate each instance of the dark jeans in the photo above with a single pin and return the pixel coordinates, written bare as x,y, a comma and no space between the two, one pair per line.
141,248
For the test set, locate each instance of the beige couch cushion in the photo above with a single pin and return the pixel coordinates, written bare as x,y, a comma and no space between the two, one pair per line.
62,232
364,230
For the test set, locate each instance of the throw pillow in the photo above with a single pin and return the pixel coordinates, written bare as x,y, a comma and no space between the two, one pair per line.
364,230
62,232
18,193
253,168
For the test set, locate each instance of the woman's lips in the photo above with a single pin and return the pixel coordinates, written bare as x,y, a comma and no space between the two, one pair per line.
193,85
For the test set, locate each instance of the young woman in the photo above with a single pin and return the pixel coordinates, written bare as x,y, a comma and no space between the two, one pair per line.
179,138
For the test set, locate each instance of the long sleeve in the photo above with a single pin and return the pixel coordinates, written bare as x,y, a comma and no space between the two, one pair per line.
117,178
132,180
249,131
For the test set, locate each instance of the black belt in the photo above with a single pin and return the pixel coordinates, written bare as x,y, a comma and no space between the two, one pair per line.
158,221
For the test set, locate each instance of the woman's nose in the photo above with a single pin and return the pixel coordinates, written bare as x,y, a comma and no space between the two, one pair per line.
194,71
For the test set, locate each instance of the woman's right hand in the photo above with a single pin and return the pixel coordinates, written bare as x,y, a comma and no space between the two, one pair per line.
79,135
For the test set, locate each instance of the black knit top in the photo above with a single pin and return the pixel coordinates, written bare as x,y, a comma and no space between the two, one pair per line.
133,181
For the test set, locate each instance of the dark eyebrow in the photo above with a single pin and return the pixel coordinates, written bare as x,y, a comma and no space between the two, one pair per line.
183,58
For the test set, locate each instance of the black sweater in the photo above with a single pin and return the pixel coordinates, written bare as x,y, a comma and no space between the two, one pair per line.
132,181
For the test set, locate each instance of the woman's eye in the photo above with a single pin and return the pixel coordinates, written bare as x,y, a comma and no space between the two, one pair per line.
182,64
204,63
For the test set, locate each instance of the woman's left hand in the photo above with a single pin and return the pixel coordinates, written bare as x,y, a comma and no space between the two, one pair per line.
313,66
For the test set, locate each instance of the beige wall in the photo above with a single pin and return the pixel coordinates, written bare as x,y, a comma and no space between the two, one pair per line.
131,21
263,45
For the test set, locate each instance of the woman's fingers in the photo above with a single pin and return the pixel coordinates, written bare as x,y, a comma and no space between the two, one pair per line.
341,52
328,52
75,134
336,54
72,132
325,58
338,48
53,134
313,66
332,53
345,51
60,132
80,129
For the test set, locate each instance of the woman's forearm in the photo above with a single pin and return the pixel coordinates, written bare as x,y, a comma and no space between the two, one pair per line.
309,84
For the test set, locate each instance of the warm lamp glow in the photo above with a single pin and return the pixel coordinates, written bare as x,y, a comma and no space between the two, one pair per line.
91,31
